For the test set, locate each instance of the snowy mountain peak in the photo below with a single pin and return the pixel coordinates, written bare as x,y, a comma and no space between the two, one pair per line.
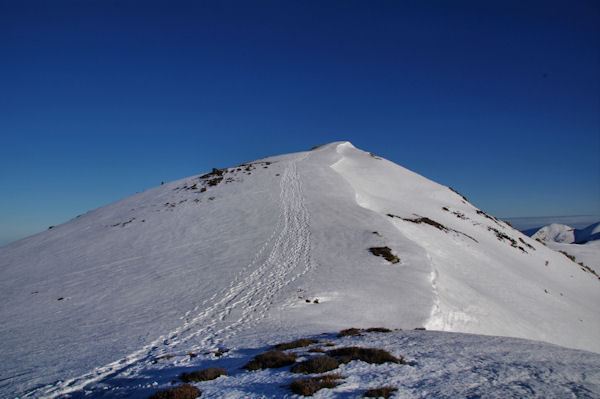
292,244
556,232
561,233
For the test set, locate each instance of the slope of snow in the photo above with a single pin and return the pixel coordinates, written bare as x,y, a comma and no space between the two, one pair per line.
267,251
438,364
588,253
590,233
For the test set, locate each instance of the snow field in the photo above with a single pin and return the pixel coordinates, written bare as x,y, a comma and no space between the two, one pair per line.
275,249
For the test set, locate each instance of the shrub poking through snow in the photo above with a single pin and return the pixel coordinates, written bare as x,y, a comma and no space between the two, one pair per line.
526,244
428,221
270,359
316,365
383,392
308,386
378,329
386,252
203,375
568,255
299,343
349,331
185,391
456,192
367,355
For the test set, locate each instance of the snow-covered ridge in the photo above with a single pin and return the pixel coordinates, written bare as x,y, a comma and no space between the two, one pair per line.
565,234
266,251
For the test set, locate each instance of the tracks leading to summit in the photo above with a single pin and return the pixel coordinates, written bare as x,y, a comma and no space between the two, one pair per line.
283,258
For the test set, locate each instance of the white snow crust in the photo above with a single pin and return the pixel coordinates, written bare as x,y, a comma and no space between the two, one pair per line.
278,249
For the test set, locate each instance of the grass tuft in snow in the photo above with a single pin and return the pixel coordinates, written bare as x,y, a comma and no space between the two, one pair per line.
316,365
270,359
459,194
378,329
383,392
299,343
349,331
565,253
428,221
203,375
308,386
185,391
386,252
368,355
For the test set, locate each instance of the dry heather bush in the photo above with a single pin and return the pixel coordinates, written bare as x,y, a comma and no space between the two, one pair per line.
428,221
299,343
270,359
386,252
368,355
203,375
307,387
317,349
349,331
185,391
383,392
378,329
316,365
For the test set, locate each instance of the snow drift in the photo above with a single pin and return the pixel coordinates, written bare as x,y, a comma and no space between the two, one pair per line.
268,250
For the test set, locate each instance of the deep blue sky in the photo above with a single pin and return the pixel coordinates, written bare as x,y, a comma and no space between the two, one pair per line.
100,99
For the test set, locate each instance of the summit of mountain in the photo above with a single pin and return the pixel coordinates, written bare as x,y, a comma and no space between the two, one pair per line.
288,245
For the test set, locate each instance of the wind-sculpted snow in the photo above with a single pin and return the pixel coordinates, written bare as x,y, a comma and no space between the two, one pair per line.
266,251
485,277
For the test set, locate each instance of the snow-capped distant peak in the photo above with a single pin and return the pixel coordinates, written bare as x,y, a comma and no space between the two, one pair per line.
555,232
564,234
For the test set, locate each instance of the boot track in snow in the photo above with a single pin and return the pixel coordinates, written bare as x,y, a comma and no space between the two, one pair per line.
283,258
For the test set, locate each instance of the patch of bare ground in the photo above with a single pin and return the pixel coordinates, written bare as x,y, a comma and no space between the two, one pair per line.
368,355
349,331
386,253
185,391
270,359
383,392
316,365
299,343
308,386
378,329
208,374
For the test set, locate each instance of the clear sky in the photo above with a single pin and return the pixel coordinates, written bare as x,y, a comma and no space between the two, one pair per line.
100,99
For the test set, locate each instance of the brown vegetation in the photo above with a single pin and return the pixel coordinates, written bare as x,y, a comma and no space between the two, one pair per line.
299,343
349,331
368,355
270,359
428,221
203,375
385,252
383,392
378,329
185,391
308,386
316,365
